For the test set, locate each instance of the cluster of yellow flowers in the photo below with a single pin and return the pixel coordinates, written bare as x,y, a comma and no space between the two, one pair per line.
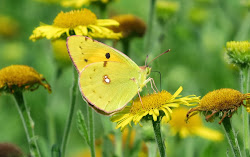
162,106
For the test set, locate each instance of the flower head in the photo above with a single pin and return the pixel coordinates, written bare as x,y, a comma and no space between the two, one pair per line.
76,22
194,126
223,100
130,26
166,9
10,150
238,53
21,77
153,106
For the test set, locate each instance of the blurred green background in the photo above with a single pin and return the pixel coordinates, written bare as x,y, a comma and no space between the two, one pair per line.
196,34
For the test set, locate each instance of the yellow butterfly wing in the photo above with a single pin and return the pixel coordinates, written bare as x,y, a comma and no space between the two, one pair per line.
109,86
84,51
108,79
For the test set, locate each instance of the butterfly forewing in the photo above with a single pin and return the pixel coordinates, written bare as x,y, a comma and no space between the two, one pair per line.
84,51
109,86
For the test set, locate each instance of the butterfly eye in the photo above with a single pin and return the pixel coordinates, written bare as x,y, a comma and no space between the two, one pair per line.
148,70
107,55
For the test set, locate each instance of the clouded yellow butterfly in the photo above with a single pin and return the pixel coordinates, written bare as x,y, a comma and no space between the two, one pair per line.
108,79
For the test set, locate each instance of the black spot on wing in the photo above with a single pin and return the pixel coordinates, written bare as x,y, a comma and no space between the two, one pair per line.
85,60
107,55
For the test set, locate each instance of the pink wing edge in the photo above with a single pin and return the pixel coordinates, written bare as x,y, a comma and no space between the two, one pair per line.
87,38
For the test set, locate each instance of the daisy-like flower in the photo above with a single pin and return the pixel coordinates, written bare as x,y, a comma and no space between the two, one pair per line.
21,77
225,101
194,126
80,3
238,53
130,26
15,79
157,105
77,22
10,150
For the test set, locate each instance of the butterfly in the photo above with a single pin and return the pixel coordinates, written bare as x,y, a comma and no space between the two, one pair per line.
108,79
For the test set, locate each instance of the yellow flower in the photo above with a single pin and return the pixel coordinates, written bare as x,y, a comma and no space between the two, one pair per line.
21,77
60,52
8,26
80,3
78,22
10,150
223,100
166,9
130,26
153,105
194,126
238,53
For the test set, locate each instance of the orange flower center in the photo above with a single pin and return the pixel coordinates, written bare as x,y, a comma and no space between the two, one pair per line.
72,19
150,102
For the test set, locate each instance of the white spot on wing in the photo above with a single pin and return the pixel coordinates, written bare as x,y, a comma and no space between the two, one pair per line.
106,79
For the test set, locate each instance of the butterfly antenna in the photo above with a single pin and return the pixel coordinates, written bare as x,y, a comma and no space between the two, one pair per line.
146,60
160,77
158,56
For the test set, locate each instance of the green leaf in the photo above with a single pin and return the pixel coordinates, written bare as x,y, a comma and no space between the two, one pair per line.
82,127
55,151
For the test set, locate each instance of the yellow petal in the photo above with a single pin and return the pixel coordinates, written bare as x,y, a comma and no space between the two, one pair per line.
47,31
177,92
81,30
208,133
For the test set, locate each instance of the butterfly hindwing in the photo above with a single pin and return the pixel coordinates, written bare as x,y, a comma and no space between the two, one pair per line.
109,86
84,51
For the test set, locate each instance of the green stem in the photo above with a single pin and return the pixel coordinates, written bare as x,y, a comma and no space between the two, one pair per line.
150,26
28,124
91,132
244,89
71,112
232,139
158,138
118,143
127,143
103,11
126,46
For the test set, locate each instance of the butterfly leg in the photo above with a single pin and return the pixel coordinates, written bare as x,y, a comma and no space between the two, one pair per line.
152,82
140,97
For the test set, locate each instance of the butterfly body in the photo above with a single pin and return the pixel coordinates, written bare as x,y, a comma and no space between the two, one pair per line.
108,79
